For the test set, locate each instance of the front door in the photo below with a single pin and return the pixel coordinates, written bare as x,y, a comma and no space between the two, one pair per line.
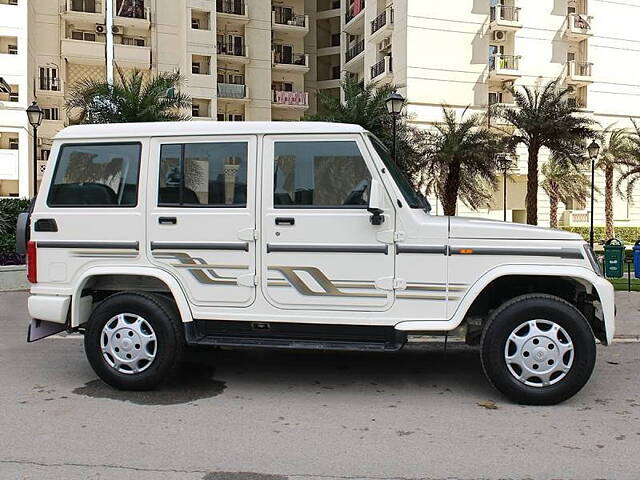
201,220
319,248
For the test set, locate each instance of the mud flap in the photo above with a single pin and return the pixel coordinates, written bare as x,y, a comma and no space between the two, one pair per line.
39,329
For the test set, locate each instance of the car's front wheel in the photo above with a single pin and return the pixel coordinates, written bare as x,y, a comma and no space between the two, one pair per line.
134,340
538,349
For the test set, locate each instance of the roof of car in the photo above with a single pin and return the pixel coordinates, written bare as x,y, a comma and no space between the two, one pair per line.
165,129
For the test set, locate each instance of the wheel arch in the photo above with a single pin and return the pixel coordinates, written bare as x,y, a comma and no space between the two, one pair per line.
116,279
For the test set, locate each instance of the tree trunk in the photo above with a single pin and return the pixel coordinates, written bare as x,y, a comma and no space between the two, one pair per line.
608,200
553,211
451,187
532,185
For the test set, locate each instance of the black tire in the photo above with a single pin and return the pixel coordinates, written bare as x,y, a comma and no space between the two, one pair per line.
161,314
507,318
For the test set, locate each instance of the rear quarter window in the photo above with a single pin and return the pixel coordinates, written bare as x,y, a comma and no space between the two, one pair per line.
96,175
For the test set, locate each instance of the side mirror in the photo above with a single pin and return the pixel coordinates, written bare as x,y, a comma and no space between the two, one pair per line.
376,202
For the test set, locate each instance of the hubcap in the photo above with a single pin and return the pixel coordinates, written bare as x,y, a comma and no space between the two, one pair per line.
128,343
539,353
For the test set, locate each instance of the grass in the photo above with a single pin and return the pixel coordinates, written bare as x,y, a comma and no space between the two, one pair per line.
623,285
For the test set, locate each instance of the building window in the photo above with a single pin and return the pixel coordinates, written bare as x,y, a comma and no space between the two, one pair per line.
195,110
14,97
12,49
282,86
44,154
195,68
134,41
195,23
13,144
495,97
51,113
85,36
130,8
220,117
87,6
49,79
236,117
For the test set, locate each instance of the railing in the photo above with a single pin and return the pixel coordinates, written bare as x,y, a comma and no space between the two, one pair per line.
354,51
132,9
501,12
354,9
381,20
380,67
233,7
231,49
504,62
578,21
292,20
52,84
580,69
231,90
290,58
300,99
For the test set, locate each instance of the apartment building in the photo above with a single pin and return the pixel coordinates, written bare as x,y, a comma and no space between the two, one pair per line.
268,59
467,53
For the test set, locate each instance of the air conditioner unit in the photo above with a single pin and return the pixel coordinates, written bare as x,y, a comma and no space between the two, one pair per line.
100,28
116,30
499,36
384,44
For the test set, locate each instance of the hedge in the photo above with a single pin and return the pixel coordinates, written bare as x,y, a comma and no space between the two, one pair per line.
9,210
627,234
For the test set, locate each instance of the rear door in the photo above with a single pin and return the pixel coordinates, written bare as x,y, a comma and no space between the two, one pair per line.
319,248
201,220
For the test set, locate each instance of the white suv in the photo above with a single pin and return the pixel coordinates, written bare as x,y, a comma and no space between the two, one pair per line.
151,237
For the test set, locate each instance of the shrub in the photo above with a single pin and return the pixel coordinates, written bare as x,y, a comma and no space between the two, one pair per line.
627,234
9,210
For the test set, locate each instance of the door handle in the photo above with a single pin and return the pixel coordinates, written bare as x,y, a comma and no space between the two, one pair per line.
167,220
285,221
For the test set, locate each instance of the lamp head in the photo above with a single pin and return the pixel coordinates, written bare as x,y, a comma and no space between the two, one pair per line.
34,113
395,103
594,150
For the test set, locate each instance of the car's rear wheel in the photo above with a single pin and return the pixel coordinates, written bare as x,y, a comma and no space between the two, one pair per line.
134,340
538,349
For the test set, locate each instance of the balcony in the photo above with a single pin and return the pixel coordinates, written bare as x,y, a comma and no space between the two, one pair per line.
130,56
506,18
382,70
9,160
290,100
354,18
132,14
232,53
232,10
232,92
578,27
291,62
504,67
294,24
353,51
80,16
83,52
574,218
382,25
579,73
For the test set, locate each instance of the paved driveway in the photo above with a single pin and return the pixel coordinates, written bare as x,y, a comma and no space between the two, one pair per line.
416,414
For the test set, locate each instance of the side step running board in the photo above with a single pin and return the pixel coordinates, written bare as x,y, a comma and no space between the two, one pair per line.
198,334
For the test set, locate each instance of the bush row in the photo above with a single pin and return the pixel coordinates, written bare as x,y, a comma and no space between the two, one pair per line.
9,210
627,234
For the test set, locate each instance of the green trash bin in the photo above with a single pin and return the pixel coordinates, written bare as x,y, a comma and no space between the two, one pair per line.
614,258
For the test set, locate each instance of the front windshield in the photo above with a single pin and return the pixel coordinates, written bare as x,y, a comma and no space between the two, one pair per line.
413,198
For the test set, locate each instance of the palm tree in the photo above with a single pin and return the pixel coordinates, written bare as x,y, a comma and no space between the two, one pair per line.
631,162
132,98
460,160
562,181
613,153
543,117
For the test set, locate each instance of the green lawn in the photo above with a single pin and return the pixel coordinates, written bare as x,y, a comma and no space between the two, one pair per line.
622,283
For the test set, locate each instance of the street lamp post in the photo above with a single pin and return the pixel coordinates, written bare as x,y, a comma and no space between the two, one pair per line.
35,113
395,103
504,164
593,150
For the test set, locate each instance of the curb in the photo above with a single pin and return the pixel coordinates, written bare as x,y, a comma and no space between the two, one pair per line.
13,278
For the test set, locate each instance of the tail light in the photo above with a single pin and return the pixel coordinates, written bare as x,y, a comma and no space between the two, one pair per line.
32,262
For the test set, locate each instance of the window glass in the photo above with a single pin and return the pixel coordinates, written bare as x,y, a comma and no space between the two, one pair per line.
96,175
320,174
203,174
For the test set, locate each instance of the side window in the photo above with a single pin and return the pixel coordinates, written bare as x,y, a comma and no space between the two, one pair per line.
203,174
97,175
320,174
